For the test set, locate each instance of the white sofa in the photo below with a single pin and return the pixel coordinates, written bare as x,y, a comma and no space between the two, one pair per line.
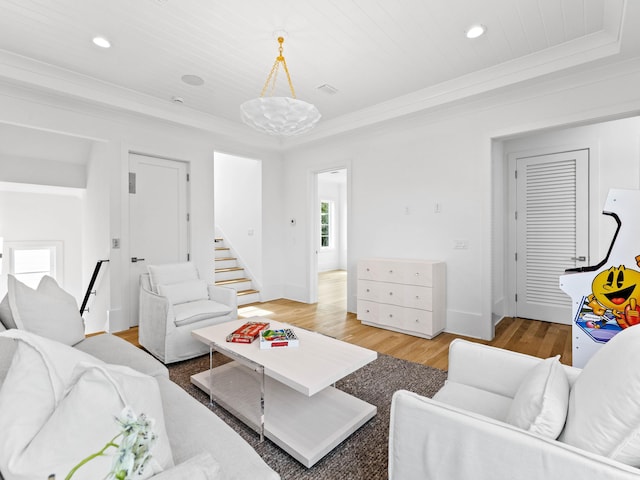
173,302
201,445
582,424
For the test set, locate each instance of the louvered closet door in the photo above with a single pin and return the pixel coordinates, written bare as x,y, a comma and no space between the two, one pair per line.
552,231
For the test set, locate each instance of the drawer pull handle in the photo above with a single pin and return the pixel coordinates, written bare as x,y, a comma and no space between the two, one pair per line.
391,315
390,271
368,270
390,294
417,297
417,321
368,290
368,311
417,274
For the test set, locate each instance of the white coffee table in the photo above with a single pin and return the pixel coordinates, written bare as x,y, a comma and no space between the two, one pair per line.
287,394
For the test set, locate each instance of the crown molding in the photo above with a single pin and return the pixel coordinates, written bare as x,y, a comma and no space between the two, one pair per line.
20,70
562,58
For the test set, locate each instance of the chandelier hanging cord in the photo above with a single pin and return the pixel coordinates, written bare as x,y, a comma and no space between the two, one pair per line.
273,75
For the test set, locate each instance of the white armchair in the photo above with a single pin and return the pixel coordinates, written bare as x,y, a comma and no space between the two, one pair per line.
173,302
471,429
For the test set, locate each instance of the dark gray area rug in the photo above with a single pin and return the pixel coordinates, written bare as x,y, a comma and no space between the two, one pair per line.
361,456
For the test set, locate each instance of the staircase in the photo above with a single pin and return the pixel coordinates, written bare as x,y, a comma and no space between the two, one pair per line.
229,273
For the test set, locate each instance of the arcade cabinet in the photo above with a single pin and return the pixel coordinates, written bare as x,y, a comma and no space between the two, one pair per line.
606,297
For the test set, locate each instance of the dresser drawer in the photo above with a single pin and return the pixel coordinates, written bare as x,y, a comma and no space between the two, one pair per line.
401,319
419,321
368,311
395,294
382,292
418,297
368,269
397,271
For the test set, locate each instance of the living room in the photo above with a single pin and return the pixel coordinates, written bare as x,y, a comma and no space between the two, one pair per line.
428,170
426,151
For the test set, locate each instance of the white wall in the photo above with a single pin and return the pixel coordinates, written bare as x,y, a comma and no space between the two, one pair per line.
400,170
44,217
42,171
120,133
343,231
238,209
95,237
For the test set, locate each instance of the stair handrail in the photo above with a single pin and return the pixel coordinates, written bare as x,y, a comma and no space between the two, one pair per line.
94,276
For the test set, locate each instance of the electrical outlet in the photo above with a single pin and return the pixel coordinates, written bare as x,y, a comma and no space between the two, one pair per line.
461,244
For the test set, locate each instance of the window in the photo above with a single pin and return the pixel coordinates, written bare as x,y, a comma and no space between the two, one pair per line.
325,224
30,261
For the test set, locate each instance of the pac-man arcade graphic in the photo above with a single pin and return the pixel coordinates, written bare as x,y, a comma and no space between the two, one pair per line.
606,297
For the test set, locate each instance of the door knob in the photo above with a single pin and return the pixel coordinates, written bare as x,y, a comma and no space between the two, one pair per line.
136,259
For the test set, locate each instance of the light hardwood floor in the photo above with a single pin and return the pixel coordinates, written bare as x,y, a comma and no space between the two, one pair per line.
329,316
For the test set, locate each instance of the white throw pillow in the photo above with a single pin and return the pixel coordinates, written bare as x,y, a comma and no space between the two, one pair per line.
201,467
57,406
35,383
171,273
184,292
6,318
541,402
48,311
604,404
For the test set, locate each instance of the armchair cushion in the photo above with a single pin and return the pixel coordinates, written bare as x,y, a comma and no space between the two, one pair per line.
541,402
171,273
183,292
474,400
604,403
191,312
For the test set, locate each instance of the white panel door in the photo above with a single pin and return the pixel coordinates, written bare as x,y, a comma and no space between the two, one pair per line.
552,231
158,218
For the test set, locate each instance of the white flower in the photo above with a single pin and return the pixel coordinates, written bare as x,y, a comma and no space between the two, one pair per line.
135,446
134,450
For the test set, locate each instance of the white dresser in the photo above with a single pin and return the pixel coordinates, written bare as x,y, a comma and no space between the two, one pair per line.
407,296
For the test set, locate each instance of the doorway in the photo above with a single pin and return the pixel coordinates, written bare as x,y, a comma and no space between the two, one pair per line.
158,217
551,225
330,201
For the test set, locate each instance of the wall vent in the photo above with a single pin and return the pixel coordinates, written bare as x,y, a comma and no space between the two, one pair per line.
328,89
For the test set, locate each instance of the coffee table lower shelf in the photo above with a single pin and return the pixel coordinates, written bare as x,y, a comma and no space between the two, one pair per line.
307,428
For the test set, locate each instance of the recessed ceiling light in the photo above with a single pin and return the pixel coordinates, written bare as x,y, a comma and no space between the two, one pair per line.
475,31
194,80
101,42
